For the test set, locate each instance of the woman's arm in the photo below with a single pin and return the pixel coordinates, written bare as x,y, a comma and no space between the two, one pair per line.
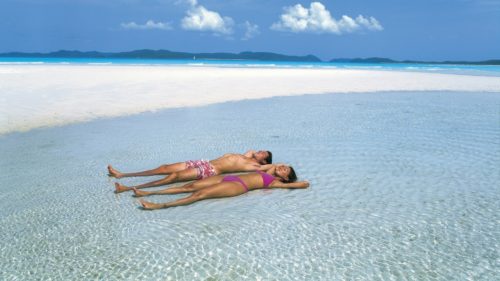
252,167
266,167
298,184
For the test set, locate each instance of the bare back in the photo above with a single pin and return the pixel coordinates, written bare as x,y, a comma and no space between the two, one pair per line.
233,163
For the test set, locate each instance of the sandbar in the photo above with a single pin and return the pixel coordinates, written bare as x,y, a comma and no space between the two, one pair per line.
33,96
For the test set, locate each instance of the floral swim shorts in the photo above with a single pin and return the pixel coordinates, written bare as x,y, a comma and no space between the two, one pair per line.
203,167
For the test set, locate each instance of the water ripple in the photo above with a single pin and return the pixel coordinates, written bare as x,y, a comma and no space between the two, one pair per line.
404,186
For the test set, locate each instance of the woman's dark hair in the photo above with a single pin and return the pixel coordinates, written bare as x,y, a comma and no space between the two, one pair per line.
269,158
292,176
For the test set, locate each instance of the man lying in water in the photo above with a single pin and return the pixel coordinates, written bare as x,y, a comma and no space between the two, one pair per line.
198,169
278,176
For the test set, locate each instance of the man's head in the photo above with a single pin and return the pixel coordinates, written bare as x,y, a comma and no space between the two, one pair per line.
287,173
263,157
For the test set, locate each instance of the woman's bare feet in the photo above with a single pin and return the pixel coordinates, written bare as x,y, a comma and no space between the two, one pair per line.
139,193
148,205
121,188
114,173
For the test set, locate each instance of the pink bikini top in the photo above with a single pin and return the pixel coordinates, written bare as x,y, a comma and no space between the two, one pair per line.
266,178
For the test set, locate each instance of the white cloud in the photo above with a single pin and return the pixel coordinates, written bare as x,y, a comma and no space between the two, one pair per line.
252,30
371,23
318,19
148,25
201,19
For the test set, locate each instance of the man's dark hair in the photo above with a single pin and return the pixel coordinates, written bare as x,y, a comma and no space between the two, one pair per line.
292,176
269,158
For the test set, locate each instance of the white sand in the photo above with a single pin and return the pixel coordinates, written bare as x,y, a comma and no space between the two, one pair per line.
33,96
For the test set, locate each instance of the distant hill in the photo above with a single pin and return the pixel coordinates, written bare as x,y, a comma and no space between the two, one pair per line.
165,54
260,56
386,60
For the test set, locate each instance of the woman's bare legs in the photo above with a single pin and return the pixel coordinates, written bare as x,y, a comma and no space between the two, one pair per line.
190,187
184,175
223,189
162,170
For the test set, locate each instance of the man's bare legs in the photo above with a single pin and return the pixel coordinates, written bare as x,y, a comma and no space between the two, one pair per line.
190,187
223,189
162,170
184,175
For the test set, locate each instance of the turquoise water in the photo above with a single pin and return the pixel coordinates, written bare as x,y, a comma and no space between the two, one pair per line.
488,70
404,186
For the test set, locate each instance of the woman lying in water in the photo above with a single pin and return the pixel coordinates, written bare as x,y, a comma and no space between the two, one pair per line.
279,176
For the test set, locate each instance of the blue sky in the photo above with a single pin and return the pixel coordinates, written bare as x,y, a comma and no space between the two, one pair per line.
399,29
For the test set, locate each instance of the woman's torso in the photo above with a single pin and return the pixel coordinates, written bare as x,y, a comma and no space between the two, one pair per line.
255,180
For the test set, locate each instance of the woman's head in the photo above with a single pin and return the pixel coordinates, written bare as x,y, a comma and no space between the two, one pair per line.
286,173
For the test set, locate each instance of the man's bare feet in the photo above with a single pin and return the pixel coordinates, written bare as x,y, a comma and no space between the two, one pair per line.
148,205
139,193
114,173
121,188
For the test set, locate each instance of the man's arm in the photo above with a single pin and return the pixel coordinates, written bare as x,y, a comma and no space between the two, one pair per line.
249,153
293,185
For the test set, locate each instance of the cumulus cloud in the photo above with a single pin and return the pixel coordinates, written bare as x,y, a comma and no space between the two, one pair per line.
318,19
201,19
148,25
252,30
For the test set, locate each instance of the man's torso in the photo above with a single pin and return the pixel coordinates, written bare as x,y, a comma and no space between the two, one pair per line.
230,163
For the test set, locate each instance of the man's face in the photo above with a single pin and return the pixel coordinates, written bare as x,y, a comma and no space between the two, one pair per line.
261,156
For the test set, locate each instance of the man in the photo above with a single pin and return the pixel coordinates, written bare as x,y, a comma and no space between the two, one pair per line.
198,169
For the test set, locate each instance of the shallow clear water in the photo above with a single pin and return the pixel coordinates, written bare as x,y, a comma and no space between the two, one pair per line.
404,186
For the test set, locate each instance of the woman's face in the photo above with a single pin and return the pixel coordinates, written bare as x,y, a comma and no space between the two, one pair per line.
283,171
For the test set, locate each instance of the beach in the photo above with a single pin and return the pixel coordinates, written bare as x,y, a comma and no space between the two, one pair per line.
45,95
402,166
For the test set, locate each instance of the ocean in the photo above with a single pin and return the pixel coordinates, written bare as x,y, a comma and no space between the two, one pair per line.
482,70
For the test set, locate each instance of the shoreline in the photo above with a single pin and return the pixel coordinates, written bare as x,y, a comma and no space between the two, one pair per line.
34,96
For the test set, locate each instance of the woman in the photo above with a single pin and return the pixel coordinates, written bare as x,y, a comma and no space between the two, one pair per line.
279,176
